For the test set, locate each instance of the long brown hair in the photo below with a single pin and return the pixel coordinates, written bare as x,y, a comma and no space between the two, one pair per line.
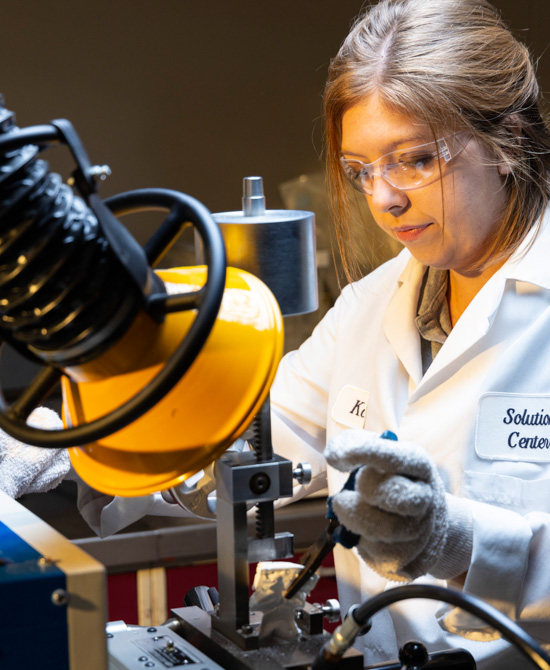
456,66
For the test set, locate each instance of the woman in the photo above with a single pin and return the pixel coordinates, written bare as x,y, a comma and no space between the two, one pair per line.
432,115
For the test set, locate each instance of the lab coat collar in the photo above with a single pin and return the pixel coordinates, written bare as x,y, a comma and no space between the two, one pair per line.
530,262
399,322
528,265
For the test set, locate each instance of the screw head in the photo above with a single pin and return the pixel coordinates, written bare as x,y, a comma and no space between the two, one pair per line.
44,561
259,483
60,597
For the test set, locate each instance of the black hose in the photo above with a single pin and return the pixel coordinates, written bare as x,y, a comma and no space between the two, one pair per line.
509,630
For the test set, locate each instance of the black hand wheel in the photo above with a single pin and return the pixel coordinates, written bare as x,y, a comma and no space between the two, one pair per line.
182,210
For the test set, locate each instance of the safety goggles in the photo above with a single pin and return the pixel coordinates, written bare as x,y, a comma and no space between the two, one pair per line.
410,168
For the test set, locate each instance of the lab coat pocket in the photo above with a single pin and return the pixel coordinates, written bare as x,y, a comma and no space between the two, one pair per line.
513,493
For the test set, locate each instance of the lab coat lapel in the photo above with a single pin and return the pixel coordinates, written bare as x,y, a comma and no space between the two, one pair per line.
399,322
401,332
524,267
471,327
528,264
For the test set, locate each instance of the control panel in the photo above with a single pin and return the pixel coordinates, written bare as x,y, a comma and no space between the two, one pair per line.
140,648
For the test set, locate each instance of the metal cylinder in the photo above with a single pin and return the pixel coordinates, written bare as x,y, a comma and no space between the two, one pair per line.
278,246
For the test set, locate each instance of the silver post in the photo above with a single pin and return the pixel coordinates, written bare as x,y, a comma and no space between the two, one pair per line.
253,196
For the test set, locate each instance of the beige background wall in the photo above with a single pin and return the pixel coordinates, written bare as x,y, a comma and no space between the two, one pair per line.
188,94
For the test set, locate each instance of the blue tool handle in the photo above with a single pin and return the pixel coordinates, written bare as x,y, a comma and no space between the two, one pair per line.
341,534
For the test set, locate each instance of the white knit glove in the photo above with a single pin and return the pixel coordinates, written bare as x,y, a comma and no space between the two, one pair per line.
408,526
26,469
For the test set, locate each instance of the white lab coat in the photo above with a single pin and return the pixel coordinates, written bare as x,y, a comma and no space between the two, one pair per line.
362,367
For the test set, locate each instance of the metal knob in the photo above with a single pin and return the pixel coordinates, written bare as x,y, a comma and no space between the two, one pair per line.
331,610
302,473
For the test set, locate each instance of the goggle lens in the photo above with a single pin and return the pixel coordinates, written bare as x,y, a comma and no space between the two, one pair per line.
409,169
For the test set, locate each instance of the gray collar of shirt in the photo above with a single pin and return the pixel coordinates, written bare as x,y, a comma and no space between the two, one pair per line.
433,319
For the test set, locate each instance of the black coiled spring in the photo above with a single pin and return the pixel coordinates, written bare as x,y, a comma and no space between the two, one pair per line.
72,278
57,270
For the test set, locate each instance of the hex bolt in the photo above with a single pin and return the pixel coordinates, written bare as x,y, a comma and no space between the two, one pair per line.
96,172
99,172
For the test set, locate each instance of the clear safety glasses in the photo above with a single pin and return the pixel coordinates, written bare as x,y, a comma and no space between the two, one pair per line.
410,168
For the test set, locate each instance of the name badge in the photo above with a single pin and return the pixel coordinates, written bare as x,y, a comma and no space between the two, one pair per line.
513,427
350,408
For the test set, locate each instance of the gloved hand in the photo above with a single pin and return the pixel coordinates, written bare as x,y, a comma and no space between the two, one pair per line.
408,525
26,469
